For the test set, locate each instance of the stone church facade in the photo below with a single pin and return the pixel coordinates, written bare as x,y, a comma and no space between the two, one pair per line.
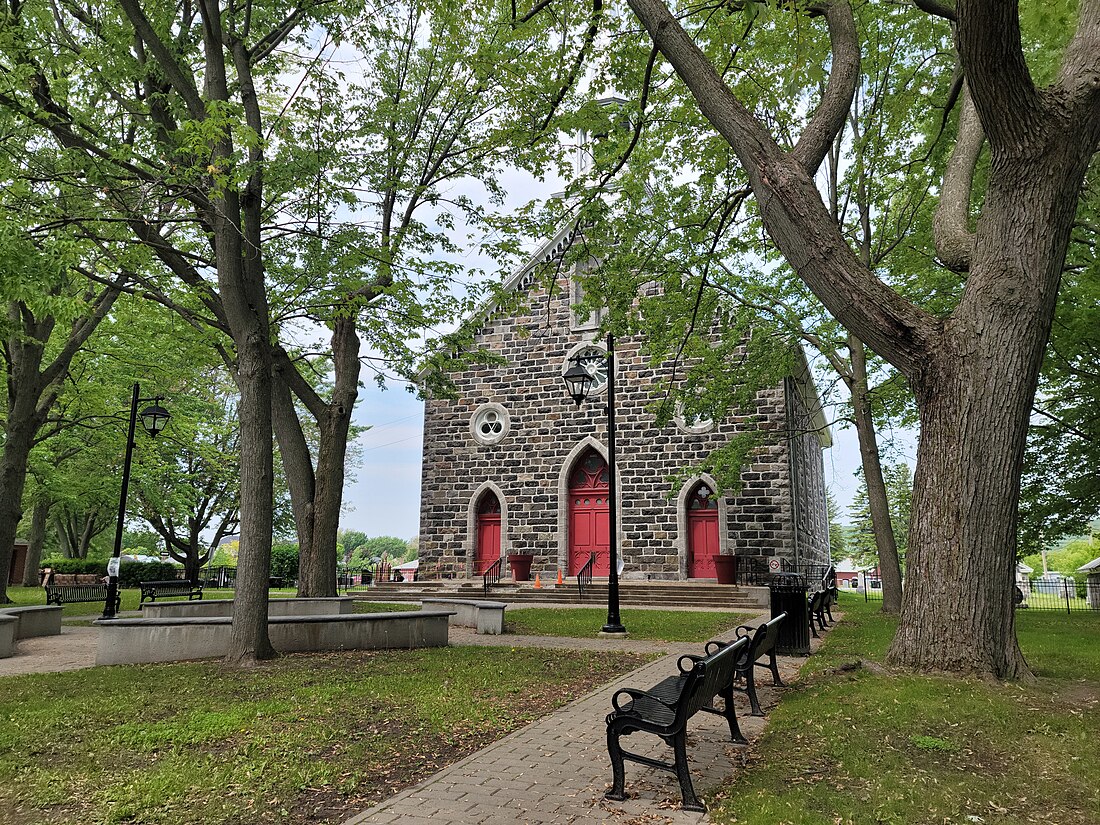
513,466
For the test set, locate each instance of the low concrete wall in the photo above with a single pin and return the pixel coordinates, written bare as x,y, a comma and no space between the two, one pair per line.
487,617
8,626
131,641
36,620
212,608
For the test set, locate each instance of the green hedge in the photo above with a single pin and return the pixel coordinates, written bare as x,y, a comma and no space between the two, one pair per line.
284,561
77,565
132,573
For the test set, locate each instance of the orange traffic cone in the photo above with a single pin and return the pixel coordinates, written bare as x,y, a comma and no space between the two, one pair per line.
559,576
538,582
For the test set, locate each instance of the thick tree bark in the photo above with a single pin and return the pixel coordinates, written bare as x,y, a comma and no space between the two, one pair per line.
877,499
36,538
974,374
19,432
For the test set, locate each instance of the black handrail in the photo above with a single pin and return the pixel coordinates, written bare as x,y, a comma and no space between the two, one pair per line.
584,577
491,575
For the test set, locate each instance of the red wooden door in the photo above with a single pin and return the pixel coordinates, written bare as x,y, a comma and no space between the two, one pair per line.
702,533
488,533
589,530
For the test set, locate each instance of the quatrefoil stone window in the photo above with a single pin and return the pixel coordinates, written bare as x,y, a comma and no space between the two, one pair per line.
489,423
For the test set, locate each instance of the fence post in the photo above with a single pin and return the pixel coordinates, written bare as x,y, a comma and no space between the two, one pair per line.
1065,587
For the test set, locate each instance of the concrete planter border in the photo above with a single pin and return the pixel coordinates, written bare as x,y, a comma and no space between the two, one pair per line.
487,617
133,641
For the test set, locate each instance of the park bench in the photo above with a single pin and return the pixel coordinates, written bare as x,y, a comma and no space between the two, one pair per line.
664,710
816,610
169,589
61,594
760,643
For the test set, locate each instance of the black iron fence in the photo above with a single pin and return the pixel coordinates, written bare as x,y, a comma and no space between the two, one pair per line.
1065,595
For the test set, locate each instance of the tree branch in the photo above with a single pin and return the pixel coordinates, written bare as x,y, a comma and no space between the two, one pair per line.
951,224
166,61
988,36
828,121
793,213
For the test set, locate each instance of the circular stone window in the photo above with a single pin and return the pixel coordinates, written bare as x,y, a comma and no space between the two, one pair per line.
594,361
695,424
489,423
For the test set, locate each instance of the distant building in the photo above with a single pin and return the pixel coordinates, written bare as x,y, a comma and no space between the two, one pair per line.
513,466
1092,582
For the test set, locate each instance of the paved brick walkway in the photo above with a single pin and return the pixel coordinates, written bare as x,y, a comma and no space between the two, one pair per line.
556,769
72,650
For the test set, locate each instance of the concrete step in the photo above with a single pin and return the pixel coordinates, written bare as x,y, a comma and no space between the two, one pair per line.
655,594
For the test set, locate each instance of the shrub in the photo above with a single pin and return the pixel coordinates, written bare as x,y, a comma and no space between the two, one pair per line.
76,565
284,561
133,573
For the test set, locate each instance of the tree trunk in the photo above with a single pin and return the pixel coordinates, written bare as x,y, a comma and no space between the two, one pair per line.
297,467
877,499
63,536
36,538
249,639
19,431
975,398
316,496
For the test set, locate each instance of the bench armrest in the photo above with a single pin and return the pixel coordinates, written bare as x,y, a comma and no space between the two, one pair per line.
638,694
691,662
745,630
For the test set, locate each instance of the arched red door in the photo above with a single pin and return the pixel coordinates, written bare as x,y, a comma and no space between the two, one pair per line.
488,533
702,517
589,486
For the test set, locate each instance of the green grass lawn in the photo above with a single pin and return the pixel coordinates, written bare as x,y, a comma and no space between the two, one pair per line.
585,622
859,748
302,739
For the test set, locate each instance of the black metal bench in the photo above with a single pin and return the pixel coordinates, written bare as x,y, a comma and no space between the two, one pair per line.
665,709
760,643
61,594
816,607
170,589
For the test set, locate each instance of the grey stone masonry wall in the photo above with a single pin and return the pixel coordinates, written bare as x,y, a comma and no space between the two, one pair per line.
808,474
544,433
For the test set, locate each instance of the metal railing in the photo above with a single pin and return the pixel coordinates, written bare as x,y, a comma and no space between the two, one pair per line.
752,571
584,577
353,578
491,576
1064,595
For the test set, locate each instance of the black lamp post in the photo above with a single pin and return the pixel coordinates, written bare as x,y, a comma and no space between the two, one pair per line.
153,419
579,382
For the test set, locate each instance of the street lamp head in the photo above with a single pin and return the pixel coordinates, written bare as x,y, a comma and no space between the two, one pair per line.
154,419
578,381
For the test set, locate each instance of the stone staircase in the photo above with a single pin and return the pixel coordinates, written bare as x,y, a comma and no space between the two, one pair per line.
661,594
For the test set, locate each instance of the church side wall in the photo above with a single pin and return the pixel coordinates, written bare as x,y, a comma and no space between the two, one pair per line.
544,427
808,472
